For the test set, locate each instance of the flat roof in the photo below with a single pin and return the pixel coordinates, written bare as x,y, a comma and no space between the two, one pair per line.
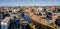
6,20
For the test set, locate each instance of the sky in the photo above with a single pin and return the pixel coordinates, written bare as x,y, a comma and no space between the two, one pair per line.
29,2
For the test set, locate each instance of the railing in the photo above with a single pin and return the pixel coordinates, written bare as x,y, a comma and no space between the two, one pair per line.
32,25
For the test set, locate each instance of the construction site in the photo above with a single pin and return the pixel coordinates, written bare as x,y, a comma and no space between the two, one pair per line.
30,17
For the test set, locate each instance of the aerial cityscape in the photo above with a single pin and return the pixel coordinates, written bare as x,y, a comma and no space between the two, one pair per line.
29,14
31,17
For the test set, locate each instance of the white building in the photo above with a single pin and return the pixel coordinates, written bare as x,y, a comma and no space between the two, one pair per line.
40,9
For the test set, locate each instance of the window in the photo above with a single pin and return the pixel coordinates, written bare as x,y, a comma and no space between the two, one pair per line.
58,10
32,10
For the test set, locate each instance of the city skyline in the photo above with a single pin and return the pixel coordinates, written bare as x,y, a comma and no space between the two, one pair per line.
29,2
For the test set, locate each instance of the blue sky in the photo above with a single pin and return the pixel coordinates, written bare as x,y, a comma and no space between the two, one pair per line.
29,2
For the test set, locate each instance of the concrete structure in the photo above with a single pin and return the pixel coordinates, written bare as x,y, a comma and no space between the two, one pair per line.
5,23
